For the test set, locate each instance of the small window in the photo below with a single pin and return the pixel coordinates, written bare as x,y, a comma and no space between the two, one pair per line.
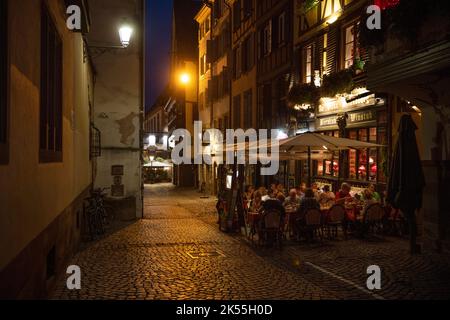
350,44
51,130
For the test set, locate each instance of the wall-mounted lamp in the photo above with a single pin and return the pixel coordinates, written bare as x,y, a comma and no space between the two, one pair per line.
125,33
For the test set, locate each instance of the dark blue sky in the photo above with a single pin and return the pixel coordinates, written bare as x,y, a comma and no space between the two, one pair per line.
159,23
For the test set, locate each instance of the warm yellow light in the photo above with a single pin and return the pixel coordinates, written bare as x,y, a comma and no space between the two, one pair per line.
185,78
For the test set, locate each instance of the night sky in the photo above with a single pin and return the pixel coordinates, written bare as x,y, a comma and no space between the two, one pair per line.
159,20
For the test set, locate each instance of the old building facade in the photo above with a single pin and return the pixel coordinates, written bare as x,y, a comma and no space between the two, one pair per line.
46,167
70,112
182,108
118,101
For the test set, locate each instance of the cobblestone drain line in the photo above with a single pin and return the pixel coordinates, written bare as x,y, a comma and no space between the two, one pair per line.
331,274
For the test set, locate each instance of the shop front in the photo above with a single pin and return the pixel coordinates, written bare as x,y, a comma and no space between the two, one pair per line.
365,119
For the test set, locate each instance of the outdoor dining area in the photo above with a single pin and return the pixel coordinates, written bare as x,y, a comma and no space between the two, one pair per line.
311,215
269,216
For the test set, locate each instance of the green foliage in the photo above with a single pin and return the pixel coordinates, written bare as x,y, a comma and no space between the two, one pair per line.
337,83
305,93
309,4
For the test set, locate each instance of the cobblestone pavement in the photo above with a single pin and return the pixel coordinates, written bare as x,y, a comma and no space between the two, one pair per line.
177,252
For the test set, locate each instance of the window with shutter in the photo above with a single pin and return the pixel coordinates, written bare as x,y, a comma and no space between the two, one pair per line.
4,148
332,50
50,91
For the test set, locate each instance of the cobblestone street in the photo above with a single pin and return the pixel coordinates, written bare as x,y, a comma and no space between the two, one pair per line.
177,252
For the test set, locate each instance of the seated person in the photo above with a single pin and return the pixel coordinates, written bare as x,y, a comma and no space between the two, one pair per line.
326,198
274,204
256,204
248,194
301,190
308,202
293,199
375,195
264,194
280,188
344,194
315,188
367,199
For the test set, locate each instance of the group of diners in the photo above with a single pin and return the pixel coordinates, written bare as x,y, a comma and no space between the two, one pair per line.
302,199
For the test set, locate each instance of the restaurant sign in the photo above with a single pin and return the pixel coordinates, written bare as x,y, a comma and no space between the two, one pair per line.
354,118
338,105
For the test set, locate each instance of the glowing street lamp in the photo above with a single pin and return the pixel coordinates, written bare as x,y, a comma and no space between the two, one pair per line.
125,33
185,78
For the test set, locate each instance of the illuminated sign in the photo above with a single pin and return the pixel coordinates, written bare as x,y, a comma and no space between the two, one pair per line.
353,118
342,104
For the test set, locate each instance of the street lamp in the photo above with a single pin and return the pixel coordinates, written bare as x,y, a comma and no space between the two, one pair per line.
185,78
125,33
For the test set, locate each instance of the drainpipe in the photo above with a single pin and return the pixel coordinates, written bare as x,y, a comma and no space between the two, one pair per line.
230,62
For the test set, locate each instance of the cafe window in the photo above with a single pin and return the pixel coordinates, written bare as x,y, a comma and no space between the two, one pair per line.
51,91
364,164
350,44
3,84
329,167
352,156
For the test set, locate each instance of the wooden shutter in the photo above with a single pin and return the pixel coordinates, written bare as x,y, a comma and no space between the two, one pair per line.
333,55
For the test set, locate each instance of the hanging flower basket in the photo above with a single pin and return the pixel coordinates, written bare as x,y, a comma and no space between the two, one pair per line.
337,83
304,94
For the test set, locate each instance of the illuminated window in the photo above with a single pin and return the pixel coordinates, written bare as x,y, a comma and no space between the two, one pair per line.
350,44
308,64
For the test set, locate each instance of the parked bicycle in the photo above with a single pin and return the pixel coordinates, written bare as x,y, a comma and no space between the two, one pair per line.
99,216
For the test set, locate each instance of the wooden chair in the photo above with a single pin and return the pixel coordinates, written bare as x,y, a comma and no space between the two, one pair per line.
373,218
336,218
271,228
313,226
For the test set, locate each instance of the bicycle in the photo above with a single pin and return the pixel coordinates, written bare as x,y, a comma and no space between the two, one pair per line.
97,215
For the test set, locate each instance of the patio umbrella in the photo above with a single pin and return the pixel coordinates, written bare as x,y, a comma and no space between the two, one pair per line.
308,142
407,180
